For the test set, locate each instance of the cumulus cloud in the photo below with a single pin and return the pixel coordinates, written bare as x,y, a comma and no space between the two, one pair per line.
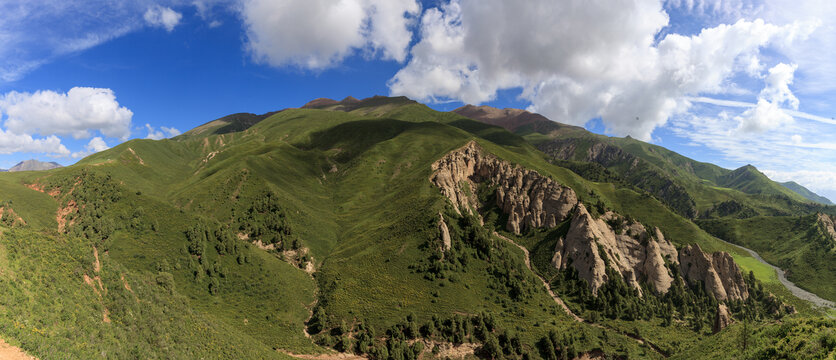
814,55
14,143
768,113
162,17
801,150
764,116
777,89
576,60
163,133
95,145
78,112
317,34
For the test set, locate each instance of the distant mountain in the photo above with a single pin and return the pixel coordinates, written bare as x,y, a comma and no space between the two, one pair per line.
800,190
34,165
750,180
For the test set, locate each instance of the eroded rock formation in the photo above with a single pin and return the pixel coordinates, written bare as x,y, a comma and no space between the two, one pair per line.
828,225
631,250
592,244
530,199
446,242
718,272
721,319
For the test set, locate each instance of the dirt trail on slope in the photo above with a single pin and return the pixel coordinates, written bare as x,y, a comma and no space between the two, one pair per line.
554,296
568,311
8,352
332,356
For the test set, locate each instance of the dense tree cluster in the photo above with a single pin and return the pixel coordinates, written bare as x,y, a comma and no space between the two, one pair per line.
88,199
266,220
472,242
556,347
407,340
688,303
199,237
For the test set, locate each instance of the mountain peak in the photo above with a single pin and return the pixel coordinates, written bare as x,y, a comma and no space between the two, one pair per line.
34,165
513,120
351,103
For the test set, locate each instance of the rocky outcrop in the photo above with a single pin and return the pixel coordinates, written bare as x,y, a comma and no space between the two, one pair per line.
530,199
827,224
721,319
446,242
592,244
718,272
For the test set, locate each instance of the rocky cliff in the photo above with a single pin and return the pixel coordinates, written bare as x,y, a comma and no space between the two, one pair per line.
718,272
631,250
827,224
722,319
446,242
530,199
591,244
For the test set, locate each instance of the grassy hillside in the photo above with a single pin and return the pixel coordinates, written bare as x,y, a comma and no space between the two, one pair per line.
298,232
809,195
691,188
798,244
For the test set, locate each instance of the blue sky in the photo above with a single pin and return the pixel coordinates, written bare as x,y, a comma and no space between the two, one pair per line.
730,82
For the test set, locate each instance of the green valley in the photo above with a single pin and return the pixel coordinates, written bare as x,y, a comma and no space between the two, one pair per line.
383,229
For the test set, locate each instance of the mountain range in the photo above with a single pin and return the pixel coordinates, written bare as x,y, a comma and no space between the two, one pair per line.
383,229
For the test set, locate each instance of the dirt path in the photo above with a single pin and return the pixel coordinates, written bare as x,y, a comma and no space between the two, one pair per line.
8,352
568,311
554,296
331,356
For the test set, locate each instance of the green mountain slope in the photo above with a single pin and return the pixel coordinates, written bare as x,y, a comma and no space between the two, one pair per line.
801,245
691,188
809,195
314,230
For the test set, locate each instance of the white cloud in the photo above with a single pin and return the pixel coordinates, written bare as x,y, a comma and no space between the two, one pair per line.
163,133
576,60
814,55
95,145
163,17
764,116
778,82
768,114
13,143
33,33
318,34
743,104
77,113
801,150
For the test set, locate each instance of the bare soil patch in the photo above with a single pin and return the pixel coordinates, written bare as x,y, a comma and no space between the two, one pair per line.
8,352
